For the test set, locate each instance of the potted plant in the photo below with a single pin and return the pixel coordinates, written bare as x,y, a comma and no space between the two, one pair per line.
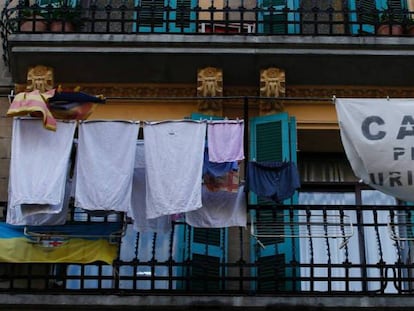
65,18
31,19
409,27
390,24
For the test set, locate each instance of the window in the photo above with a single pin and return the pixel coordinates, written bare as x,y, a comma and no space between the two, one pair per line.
328,181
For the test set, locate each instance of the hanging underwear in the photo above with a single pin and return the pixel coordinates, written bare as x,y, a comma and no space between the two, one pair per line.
277,181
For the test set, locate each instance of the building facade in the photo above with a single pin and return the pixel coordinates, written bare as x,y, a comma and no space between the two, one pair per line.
277,65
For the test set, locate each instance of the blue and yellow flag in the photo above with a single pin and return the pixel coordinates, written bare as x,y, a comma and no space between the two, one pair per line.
70,243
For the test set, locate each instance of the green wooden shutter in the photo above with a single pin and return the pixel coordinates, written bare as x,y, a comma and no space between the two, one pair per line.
207,256
273,138
151,14
368,8
207,248
202,116
70,3
272,19
183,14
153,17
369,17
274,23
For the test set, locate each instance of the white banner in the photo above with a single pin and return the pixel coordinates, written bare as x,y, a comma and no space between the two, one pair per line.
378,137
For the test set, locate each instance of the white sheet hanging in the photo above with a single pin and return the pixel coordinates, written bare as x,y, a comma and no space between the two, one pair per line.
105,165
220,209
39,215
174,153
138,212
39,164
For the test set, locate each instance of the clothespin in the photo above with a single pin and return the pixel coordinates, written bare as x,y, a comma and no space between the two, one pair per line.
11,96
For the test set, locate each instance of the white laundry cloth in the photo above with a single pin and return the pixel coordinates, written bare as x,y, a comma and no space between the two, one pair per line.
105,165
39,163
39,215
220,209
225,140
174,153
138,211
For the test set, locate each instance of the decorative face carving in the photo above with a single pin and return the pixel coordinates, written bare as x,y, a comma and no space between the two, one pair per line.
210,82
40,78
272,82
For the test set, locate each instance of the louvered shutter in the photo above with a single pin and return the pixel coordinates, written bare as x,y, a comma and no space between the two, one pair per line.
153,16
207,248
201,116
53,2
396,7
273,138
208,255
369,10
273,20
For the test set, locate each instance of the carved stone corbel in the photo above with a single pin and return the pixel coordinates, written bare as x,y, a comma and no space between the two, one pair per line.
40,78
210,84
272,85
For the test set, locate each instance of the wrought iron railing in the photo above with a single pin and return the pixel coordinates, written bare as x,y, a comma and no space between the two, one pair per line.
306,249
309,18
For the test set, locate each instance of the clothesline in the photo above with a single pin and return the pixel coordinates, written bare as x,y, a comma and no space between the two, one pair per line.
143,98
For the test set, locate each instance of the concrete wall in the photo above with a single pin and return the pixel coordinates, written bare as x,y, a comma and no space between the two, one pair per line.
5,126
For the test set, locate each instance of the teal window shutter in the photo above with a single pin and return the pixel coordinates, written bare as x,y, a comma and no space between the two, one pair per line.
207,256
368,19
201,116
154,17
70,3
273,138
206,248
272,19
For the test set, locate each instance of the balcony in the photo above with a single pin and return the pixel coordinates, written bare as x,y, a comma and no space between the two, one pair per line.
157,42
323,251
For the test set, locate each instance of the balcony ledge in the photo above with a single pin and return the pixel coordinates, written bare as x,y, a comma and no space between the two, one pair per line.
188,302
174,58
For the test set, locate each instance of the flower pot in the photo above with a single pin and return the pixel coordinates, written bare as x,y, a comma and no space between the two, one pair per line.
61,26
410,30
39,26
387,29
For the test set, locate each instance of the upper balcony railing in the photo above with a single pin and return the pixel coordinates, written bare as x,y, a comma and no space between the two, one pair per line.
259,18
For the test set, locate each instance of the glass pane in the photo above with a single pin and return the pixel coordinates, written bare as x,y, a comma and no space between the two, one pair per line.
321,250
378,245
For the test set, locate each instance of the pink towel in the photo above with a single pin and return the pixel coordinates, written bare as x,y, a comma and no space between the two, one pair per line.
225,140
34,104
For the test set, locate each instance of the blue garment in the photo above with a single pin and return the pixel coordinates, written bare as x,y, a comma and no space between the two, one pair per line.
217,169
277,181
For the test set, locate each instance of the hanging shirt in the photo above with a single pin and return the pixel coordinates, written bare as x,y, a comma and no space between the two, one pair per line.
138,211
174,164
105,165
